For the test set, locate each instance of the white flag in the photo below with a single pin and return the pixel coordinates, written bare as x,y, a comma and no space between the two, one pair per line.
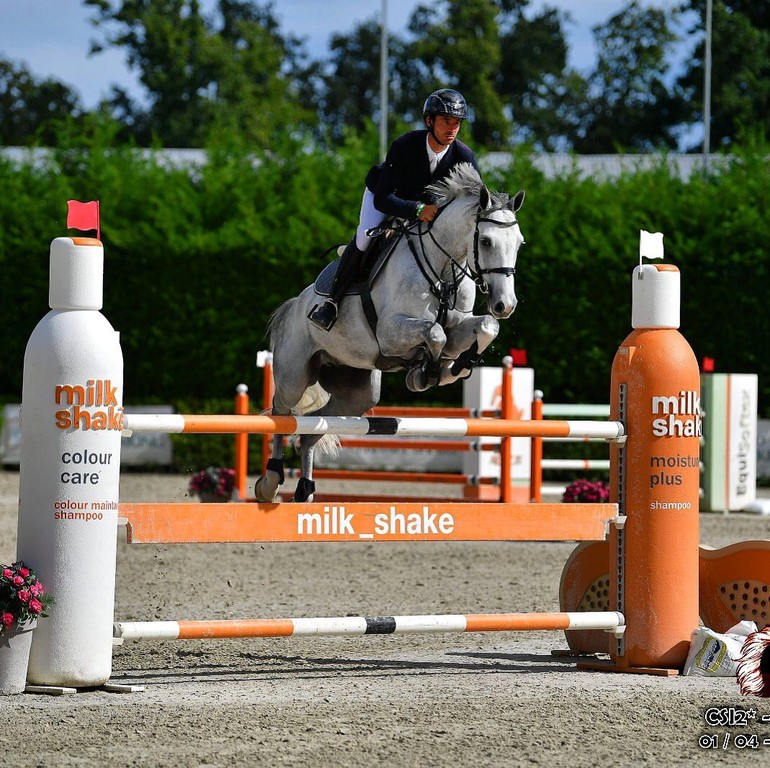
650,245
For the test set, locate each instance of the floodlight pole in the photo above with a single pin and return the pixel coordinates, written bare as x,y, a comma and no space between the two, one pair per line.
707,87
384,80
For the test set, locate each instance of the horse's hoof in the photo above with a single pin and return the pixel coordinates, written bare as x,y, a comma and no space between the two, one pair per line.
420,379
304,490
415,380
264,490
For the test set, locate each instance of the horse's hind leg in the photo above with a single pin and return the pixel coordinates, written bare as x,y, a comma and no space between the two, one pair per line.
290,386
306,485
352,392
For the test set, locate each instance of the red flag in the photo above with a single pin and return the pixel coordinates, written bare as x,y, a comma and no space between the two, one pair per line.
518,357
708,365
83,215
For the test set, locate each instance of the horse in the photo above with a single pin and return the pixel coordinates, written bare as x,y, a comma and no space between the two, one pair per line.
419,319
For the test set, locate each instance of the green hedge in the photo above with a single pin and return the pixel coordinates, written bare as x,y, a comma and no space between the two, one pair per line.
197,259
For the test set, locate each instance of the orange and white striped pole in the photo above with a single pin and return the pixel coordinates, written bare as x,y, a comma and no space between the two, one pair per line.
536,453
366,625
241,465
506,457
366,425
268,390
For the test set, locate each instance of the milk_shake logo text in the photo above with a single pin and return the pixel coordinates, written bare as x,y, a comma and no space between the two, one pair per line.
93,405
677,415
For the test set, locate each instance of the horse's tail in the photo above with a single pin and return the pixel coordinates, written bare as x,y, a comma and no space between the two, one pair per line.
276,324
315,396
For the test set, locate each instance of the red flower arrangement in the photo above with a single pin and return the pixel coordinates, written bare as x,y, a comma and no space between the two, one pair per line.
586,491
217,481
22,597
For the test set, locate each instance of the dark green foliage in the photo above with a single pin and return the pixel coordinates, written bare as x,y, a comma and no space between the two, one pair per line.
582,244
198,258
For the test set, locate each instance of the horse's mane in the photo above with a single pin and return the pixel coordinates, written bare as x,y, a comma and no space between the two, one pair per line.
463,181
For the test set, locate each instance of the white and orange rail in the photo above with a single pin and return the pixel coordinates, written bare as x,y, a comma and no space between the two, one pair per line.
610,621
368,425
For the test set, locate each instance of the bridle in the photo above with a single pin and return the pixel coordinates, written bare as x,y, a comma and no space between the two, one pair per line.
446,289
478,272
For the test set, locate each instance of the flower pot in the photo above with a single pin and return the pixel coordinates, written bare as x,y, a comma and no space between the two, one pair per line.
207,497
15,645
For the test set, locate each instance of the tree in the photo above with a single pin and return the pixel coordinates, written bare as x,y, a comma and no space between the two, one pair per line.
630,107
457,45
30,109
348,87
533,75
740,79
231,71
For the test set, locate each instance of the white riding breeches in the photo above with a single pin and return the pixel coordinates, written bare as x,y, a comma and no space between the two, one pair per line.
369,218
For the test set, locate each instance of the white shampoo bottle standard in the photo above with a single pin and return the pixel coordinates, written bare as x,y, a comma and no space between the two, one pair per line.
69,477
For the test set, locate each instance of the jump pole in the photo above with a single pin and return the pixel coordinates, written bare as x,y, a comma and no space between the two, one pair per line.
366,425
367,625
241,442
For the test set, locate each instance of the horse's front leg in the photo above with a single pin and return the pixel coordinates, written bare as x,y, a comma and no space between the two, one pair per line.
266,486
406,337
465,343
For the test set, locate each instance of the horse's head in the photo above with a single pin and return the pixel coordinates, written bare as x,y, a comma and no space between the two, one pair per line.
496,242
487,233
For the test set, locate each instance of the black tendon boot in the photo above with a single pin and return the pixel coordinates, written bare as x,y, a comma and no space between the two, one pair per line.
324,315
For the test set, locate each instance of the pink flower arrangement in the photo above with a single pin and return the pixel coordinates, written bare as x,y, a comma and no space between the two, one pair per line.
586,491
217,481
22,597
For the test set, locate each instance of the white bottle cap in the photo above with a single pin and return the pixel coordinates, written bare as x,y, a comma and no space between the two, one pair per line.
655,296
76,273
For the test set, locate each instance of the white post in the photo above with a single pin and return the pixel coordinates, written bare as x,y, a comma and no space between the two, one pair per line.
71,422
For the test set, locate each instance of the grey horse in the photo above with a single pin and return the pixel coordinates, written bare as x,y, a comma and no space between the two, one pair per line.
419,320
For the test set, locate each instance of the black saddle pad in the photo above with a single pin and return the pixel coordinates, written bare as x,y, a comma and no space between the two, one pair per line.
323,283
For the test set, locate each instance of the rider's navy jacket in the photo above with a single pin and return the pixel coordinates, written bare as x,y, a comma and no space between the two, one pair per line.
398,184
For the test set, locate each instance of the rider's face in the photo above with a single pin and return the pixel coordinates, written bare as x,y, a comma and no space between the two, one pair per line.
446,128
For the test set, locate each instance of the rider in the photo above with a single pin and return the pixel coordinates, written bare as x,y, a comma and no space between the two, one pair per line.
396,187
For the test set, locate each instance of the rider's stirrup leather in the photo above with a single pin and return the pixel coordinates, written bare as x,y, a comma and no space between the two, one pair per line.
324,316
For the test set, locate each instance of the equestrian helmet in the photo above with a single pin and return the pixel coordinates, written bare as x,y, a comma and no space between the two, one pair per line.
445,101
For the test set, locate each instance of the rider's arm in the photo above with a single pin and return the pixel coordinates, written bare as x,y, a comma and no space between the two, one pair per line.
399,171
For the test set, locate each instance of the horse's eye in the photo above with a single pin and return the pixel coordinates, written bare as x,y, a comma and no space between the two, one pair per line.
486,241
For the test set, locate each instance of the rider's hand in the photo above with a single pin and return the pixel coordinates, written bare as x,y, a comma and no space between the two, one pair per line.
428,213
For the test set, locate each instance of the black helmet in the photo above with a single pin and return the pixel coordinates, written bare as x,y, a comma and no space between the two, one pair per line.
445,102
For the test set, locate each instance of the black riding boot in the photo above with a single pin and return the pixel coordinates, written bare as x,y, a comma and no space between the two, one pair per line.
324,315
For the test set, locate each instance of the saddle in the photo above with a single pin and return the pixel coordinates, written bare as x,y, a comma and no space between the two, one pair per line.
376,258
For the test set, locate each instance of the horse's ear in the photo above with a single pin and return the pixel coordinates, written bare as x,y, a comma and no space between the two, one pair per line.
484,197
516,202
